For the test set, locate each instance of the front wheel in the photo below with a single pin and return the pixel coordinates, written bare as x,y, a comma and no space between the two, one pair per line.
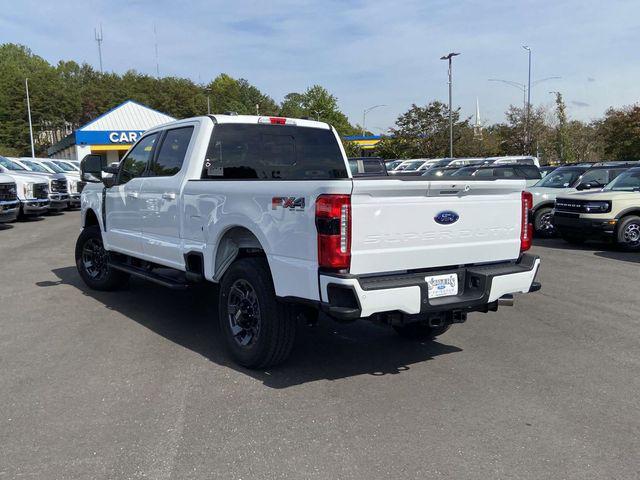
543,222
258,330
420,331
628,236
92,262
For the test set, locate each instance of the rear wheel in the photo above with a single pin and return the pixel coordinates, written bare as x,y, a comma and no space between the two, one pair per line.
543,222
92,262
258,330
628,236
420,331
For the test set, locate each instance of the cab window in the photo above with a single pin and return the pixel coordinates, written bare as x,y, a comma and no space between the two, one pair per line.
504,173
268,152
172,152
136,161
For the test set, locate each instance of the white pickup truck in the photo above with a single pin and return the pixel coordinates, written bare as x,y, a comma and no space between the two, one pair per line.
267,208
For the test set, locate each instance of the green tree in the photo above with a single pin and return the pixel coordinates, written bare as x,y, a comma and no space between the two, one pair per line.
620,133
423,132
228,94
317,103
562,144
352,149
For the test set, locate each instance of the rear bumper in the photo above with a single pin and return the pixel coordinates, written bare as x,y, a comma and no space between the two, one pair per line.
479,288
573,224
9,210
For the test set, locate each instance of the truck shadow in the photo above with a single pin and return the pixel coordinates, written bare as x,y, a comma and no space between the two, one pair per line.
327,351
598,249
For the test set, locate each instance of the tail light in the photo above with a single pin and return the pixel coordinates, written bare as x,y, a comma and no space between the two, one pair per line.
526,231
333,222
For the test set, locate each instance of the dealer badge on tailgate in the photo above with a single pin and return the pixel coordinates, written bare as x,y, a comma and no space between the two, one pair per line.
442,285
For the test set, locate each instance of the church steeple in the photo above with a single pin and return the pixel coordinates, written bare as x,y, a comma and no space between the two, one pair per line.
477,126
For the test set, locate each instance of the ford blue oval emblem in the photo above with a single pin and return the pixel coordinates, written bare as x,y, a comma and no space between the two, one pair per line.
447,217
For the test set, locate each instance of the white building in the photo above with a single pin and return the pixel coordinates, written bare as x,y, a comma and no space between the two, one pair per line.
111,134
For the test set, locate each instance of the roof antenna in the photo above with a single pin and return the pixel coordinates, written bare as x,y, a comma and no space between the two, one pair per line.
98,36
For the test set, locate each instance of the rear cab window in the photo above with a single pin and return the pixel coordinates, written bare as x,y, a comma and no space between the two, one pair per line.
273,152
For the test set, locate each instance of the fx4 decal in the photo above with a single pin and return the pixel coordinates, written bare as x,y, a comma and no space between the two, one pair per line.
290,203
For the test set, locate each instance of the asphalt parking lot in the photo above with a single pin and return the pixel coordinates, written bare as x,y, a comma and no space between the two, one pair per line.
135,383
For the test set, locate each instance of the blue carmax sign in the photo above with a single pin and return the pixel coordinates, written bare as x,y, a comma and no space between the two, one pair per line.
106,137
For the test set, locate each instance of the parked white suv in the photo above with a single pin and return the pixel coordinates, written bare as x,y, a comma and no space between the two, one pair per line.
267,208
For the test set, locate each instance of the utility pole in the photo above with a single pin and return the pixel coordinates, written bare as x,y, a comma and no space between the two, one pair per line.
98,36
528,135
364,116
26,86
155,35
257,109
448,57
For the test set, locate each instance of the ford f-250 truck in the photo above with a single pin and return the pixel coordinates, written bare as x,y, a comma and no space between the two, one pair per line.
9,203
267,208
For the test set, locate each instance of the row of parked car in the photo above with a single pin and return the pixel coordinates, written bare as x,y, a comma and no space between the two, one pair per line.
35,186
578,201
598,201
520,167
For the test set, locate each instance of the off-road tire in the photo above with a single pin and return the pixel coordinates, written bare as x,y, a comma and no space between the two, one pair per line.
276,333
109,278
540,228
627,233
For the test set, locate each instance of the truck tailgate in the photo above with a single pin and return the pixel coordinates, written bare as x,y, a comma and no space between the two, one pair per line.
394,225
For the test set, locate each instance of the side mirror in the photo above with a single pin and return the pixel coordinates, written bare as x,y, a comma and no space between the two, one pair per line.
91,167
584,186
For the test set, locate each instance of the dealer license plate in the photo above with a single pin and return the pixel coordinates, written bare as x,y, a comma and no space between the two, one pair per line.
442,285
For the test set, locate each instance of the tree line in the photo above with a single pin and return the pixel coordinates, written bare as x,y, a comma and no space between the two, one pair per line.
67,95
423,132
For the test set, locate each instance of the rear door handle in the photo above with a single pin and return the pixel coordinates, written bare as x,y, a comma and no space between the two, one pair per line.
168,196
132,194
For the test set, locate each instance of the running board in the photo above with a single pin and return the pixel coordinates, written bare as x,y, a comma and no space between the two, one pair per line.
147,275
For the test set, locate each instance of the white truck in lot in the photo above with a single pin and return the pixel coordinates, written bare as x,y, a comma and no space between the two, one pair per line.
9,203
32,190
267,208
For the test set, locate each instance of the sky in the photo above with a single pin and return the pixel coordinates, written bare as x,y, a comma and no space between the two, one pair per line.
364,52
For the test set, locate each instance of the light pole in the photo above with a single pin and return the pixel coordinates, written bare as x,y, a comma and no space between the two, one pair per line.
364,116
523,88
26,86
448,57
317,113
528,135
